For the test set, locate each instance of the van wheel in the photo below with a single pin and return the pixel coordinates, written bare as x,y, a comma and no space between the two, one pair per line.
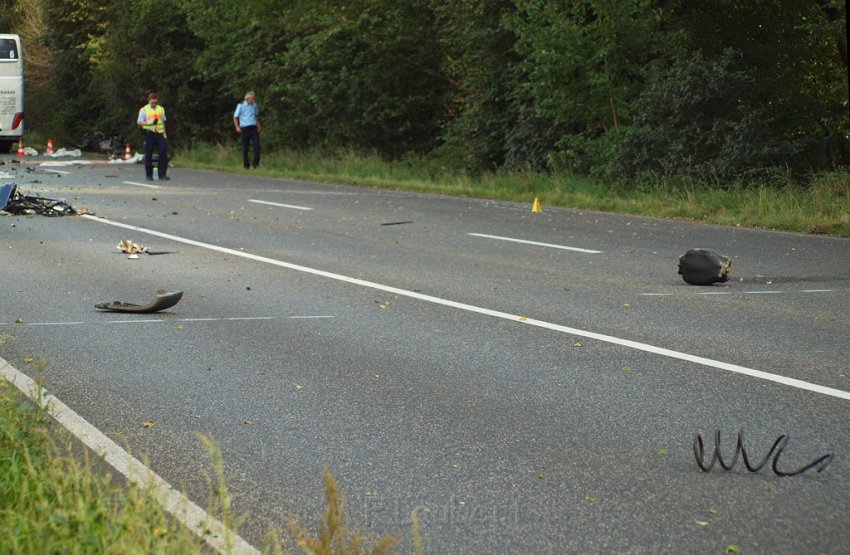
5,147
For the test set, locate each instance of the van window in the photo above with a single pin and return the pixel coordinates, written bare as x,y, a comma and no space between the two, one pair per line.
8,50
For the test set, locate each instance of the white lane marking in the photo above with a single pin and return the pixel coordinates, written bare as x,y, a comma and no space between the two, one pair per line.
792,382
141,184
742,292
226,319
308,317
279,204
58,171
188,513
534,243
55,323
307,192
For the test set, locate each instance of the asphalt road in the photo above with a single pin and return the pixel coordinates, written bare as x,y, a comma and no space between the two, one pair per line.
521,398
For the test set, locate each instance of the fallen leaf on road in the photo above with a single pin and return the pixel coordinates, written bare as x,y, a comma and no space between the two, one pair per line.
28,359
578,345
148,424
663,451
701,522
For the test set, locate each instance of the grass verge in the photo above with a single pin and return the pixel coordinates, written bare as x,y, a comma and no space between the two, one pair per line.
821,205
53,499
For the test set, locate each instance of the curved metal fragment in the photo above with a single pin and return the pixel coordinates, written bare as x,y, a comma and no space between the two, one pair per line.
162,300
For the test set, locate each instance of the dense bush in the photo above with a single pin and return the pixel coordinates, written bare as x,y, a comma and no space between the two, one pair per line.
612,88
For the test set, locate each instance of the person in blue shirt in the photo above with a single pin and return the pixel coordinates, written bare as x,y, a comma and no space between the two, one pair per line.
246,119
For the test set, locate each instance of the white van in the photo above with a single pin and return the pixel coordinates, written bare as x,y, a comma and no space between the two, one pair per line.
11,92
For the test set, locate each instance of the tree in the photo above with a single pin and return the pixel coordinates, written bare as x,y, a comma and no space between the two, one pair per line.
365,75
586,62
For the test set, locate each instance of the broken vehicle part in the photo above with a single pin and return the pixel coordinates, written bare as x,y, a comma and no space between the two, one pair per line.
129,247
18,203
100,142
162,300
704,267
6,192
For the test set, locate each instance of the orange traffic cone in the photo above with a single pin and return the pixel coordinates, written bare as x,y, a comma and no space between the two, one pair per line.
127,154
20,148
49,146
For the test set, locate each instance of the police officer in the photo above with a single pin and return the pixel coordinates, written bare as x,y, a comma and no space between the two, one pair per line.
152,120
246,121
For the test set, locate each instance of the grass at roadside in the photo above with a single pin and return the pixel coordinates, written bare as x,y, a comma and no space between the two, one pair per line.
820,206
53,499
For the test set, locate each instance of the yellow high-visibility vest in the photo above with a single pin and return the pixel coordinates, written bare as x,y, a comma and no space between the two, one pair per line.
158,115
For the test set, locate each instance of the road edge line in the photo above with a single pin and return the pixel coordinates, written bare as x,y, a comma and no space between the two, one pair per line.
190,515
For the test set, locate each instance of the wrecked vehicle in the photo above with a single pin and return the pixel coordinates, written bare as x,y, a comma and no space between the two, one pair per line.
17,203
100,142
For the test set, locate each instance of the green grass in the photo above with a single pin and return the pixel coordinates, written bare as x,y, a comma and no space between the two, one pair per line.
820,205
54,499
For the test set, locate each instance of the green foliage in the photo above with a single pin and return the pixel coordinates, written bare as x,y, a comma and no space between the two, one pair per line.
608,88
692,118
792,53
74,37
364,75
148,49
586,62
8,17
51,502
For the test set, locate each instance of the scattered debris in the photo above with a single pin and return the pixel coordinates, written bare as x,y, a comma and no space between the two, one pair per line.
778,446
13,202
163,299
137,158
99,142
129,247
704,267
63,163
76,153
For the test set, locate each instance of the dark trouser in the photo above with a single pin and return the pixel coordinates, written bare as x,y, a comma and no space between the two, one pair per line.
155,141
250,134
